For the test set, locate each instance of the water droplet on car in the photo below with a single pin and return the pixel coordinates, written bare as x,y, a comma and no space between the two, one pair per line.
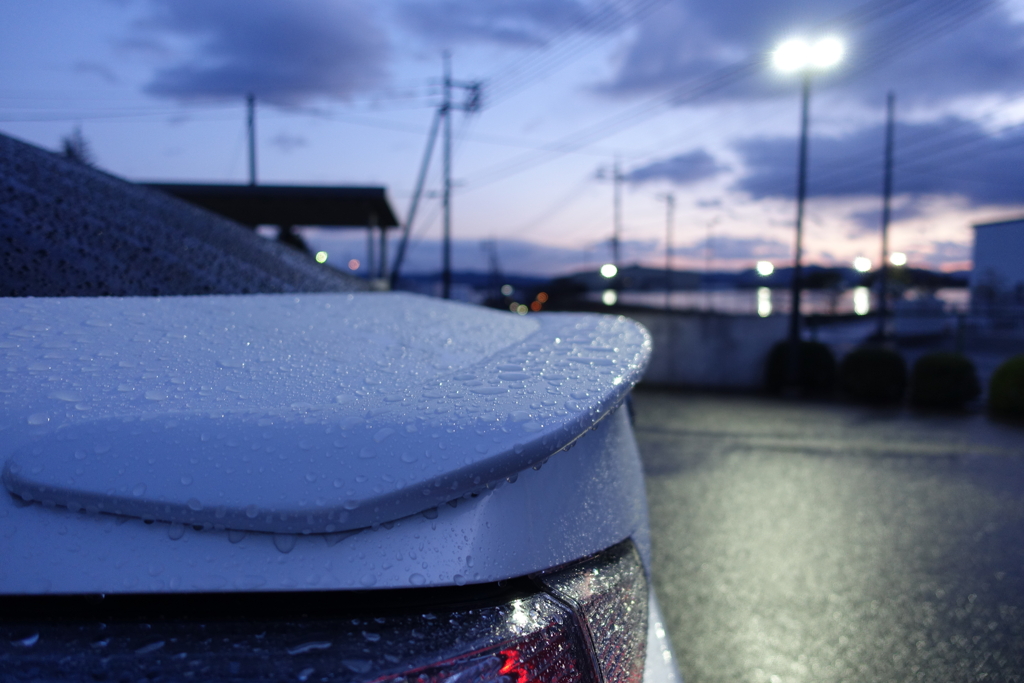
38,418
459,580
372,637
309,647
152,647
175,531
28,641
194,504
359,666
252,511
186,480
417,579
383,434
285,542
138,490
235,536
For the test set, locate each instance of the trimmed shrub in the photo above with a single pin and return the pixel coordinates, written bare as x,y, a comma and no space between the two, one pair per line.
872,374
943,380
1006,390
817,374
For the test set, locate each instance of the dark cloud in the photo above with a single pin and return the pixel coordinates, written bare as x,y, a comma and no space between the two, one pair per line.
681,169
101,71
727,248
947,157
510,22
287,142
929,51
285,53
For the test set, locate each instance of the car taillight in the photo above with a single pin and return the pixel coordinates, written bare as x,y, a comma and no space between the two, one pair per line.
585,623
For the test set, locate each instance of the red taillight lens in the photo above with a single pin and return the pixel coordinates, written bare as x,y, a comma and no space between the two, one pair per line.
542,646
585,623
610,592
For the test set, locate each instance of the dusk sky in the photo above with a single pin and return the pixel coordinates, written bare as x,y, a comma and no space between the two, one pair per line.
681,91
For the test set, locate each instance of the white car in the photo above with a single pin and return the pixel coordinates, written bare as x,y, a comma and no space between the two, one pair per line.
321,487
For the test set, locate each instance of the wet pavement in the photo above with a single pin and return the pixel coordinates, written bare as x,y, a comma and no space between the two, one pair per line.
826,542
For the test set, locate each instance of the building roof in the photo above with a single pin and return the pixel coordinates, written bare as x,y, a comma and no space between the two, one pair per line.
995,223
289,204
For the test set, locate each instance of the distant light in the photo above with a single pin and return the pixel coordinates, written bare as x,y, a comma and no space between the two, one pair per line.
609,270
764,301
827,52
898,258
353,264
536,306
765,268
609,296
862,264
797,54
542,297
861,300
514,306
321,256
506,290
521,309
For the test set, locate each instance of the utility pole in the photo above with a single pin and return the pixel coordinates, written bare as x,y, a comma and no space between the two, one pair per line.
250,103
471,104
616,212
801,195
446,201
883,289
670,207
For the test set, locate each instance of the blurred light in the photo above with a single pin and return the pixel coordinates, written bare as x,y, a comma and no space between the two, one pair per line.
521,309
796,54
861,300
506,290
898,258
765,268
862,264
609,296
609,270
827,52
764,302
514,306
535,306
542,297
353,264
321,256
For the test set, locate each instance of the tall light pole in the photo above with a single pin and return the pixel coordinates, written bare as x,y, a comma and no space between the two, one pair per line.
883,272
801,56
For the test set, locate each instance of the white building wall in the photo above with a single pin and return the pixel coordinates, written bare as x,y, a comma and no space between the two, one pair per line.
999,258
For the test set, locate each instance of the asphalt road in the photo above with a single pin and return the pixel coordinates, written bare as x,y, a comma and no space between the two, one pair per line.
824,542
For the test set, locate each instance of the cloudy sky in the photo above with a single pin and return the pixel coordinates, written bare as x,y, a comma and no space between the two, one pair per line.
681,92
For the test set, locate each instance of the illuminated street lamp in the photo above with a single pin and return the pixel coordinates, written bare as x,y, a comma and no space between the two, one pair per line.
804,57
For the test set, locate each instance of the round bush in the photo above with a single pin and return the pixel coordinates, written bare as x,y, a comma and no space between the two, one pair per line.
873,374
817,370
943,380
1006,390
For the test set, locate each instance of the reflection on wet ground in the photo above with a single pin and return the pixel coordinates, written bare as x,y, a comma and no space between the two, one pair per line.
825,542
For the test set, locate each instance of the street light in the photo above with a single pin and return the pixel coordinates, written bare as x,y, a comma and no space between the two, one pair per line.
798,55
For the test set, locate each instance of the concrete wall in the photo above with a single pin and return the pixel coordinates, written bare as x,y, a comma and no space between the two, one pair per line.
708,350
